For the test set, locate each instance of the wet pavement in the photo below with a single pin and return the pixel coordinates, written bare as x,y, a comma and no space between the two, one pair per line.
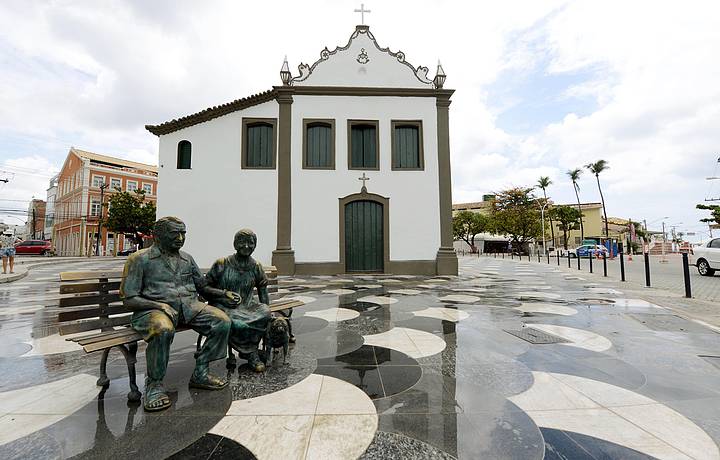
511,360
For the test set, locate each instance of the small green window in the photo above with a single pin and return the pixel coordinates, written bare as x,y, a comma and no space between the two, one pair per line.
184,155
363,146
259,144
319,145
407,152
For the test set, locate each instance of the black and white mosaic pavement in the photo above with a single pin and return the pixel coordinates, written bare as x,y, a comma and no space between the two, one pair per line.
387,367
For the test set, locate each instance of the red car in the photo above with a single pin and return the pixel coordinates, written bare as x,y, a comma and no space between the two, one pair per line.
33,247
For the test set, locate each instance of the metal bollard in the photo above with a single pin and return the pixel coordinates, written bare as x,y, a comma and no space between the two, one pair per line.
568,259
622,267
647,270
577,256
548,257
686,275
538,254
512,255
604,265
503,255
590,258
558,257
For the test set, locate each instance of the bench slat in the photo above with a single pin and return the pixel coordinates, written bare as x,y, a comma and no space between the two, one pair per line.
112,342
91,313
91,275
80,301
100,336
83,326
277,306
76,288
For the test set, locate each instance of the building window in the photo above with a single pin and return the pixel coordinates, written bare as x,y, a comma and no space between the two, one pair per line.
147,188
319,144
407,145
184,155
363,144
115,184
132,185
95,208
259,145
98,181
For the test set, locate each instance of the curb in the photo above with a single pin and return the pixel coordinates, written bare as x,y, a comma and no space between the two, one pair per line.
28,265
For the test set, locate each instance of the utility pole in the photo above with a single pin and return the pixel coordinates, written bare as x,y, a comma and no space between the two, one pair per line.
100,218
32,237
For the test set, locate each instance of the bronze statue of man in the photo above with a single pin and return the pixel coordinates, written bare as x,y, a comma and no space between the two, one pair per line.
161,286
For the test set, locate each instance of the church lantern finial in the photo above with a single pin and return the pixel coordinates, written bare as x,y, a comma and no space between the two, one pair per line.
440,76
285,72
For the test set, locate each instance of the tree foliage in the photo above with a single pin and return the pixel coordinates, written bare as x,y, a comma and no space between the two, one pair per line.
130,214
596,168
467,224
516,213
567,218
714,213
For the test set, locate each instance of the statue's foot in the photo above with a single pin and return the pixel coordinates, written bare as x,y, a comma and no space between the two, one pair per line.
255,362
208,382
156,398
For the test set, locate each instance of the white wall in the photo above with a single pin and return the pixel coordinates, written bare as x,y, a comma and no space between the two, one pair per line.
414,206
216,197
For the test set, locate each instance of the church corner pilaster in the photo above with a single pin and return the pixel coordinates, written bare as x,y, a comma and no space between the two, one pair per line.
447,263
284,257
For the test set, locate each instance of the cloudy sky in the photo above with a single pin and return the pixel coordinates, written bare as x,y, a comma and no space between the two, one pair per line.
541,86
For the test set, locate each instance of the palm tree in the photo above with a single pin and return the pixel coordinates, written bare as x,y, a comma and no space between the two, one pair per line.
545,182
596,168
574,177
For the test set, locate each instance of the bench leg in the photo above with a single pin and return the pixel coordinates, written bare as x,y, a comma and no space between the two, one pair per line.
131,358
104,381
231,363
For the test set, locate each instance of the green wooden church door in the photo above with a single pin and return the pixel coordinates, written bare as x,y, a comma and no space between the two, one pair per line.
364,236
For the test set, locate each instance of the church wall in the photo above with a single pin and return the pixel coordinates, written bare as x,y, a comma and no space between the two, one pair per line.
226,197
414,206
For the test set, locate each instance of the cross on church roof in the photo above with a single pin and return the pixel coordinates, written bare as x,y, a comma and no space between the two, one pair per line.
362,12
363,179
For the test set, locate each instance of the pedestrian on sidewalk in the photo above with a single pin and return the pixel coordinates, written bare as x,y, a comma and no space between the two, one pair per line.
7,251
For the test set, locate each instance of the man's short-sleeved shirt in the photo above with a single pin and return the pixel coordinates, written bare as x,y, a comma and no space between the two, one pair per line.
150,274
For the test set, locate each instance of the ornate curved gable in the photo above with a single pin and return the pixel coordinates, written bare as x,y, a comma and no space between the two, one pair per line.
362,62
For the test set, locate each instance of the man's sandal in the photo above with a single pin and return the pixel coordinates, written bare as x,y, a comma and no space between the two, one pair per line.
156,399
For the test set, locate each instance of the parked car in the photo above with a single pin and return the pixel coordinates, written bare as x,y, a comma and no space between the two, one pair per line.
707,257
589,250
40,247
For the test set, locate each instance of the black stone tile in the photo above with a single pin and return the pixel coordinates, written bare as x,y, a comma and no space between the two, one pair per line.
328,343
366,378
227,448
396,379
389,357
558,446
363,356
307,325
427,396
200,449
396,446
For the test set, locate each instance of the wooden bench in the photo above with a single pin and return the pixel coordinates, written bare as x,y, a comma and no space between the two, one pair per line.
97,307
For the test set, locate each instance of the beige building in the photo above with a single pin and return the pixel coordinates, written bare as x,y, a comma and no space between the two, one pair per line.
79,201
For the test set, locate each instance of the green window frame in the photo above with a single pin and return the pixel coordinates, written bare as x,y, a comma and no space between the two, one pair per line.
184,155
259,143
363,145
318,143
407,145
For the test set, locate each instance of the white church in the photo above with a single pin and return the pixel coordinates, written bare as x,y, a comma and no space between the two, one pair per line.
344,168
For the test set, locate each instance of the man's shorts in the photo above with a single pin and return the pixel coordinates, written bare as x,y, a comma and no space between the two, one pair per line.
7,252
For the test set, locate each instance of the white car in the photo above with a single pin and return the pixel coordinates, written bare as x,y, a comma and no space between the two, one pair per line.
707,257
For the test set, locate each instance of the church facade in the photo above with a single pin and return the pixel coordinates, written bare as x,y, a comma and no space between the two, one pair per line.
344,168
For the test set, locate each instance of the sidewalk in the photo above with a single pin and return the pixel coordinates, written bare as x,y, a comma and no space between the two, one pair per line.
706,312
24,264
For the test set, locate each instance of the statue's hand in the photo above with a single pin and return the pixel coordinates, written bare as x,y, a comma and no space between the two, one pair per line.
234,297
167,309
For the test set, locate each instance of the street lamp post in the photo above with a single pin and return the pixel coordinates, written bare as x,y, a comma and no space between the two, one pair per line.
542,218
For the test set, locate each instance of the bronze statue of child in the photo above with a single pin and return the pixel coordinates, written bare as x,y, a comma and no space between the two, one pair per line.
236,277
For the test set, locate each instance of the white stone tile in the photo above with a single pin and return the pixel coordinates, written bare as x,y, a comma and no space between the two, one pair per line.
16,426
427,286
436,280
414,343
368,286
603,393
538,295
539,307
299,399
405,292
603,290
459,298
334,314
380,300
338,291
673,428
77,390
52,344
470,289
389,281
634,303
269,437
603,424
341,436
338,397
548,393
577,337
446,314
315,286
